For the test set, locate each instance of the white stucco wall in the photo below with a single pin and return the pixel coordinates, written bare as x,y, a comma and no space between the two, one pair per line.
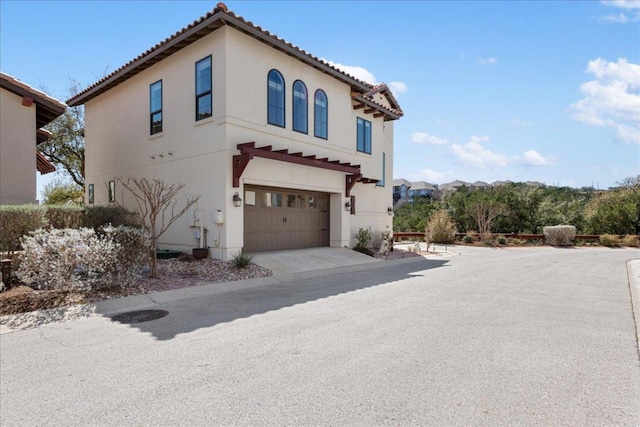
17,150
199,154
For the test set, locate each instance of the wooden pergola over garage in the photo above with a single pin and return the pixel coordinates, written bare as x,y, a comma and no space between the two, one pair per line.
248,151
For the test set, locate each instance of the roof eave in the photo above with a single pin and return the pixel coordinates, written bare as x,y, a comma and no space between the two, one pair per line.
47,109
388,114
294,52
142,63
204,28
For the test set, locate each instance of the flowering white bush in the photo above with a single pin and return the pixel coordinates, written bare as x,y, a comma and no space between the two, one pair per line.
83,259
560,235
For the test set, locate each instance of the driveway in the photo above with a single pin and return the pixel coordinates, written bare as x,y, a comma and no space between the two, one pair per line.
535,336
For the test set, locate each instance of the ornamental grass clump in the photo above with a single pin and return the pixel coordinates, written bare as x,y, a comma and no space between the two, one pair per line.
83,259
441,229
631,241
560,235
609,240
241,260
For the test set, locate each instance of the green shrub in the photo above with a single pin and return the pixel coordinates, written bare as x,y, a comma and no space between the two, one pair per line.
241,260
470,237
441,229
18,220
97,216
610,240
631,241
501,240
363,237
560,235
64,216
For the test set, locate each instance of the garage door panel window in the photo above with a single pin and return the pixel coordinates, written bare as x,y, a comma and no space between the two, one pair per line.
273,200
250,198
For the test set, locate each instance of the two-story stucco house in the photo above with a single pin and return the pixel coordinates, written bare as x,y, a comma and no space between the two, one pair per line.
24,111
287,151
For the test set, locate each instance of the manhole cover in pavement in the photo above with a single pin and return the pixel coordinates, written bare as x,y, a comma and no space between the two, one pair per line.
139,316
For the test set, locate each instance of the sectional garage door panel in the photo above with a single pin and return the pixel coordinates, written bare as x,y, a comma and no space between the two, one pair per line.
278,219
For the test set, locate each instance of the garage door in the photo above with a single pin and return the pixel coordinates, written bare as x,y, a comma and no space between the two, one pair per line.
278,219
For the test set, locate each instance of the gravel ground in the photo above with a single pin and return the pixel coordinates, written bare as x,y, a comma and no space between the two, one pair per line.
24,307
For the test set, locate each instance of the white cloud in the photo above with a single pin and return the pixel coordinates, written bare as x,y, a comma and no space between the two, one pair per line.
473,154
623,4
533,158
397,87
521,123
487,61
479,139
432,176
612,99
630,6
424,138
356,71
621,18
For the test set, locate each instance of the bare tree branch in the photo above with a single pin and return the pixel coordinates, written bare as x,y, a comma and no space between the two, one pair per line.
154,199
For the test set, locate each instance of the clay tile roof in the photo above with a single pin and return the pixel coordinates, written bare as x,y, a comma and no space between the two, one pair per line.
43,165
205,25
47,107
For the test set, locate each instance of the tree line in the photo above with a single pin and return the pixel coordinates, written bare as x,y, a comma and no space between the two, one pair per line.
521,208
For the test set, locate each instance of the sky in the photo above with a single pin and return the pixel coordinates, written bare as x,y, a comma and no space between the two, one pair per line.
499,90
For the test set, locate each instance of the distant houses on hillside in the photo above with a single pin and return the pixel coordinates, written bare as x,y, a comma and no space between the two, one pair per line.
407,191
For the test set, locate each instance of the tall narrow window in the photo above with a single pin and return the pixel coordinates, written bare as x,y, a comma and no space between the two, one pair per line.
275,98
320,115
384,161
91,193
300,107
203,89
155,107
364,136
112,191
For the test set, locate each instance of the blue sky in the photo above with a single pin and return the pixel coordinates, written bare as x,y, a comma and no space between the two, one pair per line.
545,91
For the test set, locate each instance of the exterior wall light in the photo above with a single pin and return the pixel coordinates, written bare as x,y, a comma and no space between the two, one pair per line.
347,206
237,201
390,210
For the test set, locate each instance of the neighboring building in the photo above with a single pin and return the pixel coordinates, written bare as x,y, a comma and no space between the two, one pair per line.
405,191
400,190
234,112
422,189
24,111
453,186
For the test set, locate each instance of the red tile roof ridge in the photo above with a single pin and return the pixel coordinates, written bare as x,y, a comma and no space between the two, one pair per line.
396,111
221,8
14,80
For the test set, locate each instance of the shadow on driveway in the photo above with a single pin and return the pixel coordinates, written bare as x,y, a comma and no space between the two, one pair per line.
189,315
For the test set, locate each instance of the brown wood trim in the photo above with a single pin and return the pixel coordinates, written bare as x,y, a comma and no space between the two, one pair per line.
240,162
43,165
350,181
248,151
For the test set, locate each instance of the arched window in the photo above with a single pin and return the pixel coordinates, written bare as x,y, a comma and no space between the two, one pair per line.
300,107
275,98
321,115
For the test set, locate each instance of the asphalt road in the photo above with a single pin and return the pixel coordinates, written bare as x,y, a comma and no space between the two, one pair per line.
491,337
